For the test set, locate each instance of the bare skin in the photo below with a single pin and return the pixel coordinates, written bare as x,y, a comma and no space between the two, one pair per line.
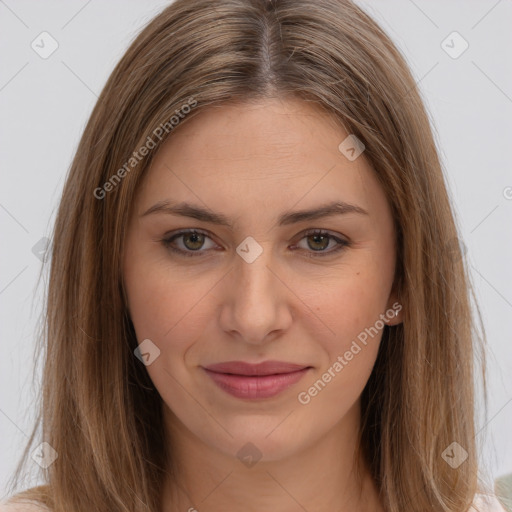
252,163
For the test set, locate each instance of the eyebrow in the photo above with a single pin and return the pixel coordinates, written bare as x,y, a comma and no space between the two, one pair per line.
184,209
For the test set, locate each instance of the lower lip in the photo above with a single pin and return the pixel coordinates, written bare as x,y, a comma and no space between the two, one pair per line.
253,386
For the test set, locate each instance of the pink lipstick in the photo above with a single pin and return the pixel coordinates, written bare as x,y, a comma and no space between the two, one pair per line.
253,381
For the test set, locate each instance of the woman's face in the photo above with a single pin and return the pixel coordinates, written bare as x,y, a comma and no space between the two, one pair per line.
259,286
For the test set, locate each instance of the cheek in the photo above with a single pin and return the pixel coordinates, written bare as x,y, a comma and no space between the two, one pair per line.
361,295
165,310
351,310
350,305
166,305
155,304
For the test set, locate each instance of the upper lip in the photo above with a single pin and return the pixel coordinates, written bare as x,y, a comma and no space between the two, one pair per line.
265,368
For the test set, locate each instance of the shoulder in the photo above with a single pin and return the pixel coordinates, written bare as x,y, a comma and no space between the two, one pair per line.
19,506
481,503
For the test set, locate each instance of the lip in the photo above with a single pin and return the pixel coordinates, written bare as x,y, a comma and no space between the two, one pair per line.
253,381
260,369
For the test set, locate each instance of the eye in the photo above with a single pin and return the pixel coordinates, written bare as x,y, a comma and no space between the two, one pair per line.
318,240
192,241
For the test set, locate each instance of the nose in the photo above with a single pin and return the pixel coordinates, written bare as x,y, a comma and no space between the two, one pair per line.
256,305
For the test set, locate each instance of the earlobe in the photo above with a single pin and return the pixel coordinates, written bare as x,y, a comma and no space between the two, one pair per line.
394,307
396,319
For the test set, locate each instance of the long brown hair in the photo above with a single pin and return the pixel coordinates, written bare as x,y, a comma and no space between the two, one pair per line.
99,409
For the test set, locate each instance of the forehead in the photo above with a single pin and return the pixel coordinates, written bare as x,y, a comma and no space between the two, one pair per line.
274,153
273,130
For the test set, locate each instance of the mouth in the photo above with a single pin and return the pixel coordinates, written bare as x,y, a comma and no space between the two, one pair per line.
254,381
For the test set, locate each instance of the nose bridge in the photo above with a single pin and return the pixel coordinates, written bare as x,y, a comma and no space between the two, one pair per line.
255,295
254,279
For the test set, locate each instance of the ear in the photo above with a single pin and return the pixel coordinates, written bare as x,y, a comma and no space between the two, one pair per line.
394,313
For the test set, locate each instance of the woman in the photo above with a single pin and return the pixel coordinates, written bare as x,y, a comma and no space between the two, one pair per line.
257,297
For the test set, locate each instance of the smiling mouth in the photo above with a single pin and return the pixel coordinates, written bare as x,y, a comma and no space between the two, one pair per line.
255,381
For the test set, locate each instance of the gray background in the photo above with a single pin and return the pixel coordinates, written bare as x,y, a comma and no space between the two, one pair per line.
45,104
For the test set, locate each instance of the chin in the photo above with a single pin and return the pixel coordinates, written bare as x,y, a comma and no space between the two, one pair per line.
266,438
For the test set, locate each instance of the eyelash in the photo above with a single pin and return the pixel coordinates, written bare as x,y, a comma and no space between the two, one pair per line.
167,241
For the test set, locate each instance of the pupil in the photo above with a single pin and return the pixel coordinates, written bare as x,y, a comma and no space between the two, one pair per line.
194,236
316,237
